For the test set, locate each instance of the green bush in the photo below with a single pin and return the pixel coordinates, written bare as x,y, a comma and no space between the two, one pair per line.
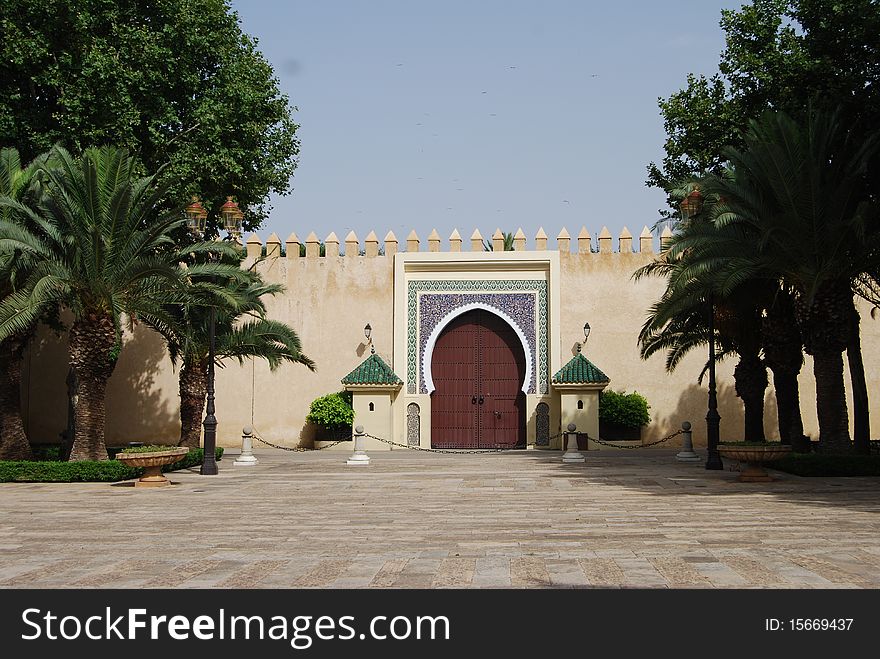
620,408
332,411
86,471
103,471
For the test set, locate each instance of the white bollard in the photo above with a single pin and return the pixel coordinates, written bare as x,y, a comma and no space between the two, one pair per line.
571,453
247,458
687,445
359,457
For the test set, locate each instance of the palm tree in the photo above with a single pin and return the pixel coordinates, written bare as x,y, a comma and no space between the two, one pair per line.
241,331
678,322
99,250
17,186
800,188
508,243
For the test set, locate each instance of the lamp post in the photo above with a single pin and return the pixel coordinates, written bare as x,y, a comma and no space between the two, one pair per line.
368,332
690,206
586,336
196,217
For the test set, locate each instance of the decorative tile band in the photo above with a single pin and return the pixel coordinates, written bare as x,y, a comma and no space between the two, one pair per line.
441,296
518,307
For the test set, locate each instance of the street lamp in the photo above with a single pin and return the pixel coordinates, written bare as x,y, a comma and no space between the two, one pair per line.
368,332
196,217
690,206
586,336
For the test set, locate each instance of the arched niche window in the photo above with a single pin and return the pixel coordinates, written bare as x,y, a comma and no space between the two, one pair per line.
542,424
413,423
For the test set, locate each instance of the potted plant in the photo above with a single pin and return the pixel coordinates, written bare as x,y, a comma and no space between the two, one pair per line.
152,459
622,415
754,455
333,416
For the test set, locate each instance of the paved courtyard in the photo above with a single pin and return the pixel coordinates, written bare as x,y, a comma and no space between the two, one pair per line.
419,520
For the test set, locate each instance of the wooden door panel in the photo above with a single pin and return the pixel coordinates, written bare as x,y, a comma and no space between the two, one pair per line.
479,356
454,370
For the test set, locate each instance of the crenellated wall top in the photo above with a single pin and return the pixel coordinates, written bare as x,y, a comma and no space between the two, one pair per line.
371,247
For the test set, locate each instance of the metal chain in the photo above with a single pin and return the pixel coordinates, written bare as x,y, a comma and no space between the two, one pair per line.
659,441
300,449
442,450
295,449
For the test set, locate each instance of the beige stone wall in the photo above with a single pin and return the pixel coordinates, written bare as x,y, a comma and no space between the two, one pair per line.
330,299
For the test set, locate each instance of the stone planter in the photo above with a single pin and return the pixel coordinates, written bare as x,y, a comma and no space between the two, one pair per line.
152,464
754,456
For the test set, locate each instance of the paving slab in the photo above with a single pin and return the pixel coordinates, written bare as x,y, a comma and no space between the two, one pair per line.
421,520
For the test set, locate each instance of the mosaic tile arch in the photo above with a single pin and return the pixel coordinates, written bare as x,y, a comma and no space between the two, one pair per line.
523,301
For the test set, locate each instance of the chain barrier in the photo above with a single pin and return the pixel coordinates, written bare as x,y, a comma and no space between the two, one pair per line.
295,449
443,450
659,441
301,449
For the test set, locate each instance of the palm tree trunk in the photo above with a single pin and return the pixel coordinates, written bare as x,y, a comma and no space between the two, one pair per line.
92,339
750,378
788,405
825,323
193,382
831,402
783,353
14,444
861,413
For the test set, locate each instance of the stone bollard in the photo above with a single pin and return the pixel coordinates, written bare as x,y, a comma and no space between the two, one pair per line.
359,457
247,458
687,445
571,448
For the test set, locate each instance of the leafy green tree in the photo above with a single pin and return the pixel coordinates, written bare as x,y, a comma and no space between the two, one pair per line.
781,55
176,82
101,250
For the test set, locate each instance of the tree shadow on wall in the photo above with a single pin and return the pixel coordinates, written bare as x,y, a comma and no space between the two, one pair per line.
43,386
693,404
138,408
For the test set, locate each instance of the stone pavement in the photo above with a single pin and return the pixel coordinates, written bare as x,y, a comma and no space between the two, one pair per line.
419,520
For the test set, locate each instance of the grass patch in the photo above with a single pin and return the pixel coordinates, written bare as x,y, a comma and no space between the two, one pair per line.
813,464
86,471
152,448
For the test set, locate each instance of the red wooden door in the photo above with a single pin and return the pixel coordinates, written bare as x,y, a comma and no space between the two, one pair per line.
478,367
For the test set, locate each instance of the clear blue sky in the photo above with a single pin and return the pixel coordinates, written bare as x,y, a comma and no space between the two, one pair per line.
479,114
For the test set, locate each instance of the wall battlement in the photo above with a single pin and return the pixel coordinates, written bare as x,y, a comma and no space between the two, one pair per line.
584,243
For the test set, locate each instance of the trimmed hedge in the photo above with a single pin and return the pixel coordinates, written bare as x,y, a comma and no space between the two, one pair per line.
86,471
623,409
332,411
816,464
97,471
